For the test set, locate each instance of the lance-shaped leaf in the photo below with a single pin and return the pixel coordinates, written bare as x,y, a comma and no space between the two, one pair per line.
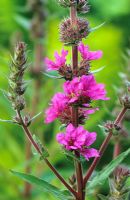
35,116
8,121
104,174
22,21
97,27
98,70
52,76
44,185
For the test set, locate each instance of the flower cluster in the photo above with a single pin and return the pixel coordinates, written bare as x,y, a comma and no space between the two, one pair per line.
64,69
60,108
80,91
78,139
80,88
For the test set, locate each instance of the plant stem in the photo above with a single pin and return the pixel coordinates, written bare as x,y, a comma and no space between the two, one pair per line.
78,165
117,149
36,146
104,146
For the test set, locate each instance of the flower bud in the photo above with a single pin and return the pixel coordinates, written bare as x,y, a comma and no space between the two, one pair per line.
71,35
67,3
82,6
27,120
17,85
126,101
19,103
66,72
111,127
84,68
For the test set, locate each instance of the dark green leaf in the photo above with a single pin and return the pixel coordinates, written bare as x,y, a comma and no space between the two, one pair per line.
44,185
104,174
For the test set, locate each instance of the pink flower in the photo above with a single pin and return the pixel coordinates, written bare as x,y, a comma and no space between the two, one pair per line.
58,104
83,90
59,60
89,55
78,139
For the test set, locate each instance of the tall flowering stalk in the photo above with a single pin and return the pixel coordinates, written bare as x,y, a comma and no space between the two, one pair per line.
73,106
80,89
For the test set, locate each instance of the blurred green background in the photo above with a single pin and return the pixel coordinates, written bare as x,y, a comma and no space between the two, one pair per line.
112,38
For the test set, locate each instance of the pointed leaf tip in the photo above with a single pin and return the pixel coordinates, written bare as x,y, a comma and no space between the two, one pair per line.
44,185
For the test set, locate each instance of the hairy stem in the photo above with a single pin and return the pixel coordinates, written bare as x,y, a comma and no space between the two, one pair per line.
103,147
78,165
36,146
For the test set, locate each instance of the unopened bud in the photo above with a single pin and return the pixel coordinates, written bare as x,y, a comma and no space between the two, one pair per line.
111,127
27,120
19,103
71,35
67,3
82,6
126,101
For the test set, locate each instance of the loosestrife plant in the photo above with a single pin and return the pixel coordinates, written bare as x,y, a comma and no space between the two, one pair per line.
72,107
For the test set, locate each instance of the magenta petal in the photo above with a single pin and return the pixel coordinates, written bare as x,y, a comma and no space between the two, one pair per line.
72,100
59,60
50,115
94,55
89,153
91,111
60,137
90,139
70,128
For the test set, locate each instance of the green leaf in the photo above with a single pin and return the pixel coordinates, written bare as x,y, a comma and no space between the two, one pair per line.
34,117
8,121
98,70
71,155
103,129
52,76
62,127
104,174
44,185
22,21
97,27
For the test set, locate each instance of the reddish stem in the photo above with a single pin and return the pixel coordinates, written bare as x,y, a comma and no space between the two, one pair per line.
35,145
103,147
117,149
78,165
